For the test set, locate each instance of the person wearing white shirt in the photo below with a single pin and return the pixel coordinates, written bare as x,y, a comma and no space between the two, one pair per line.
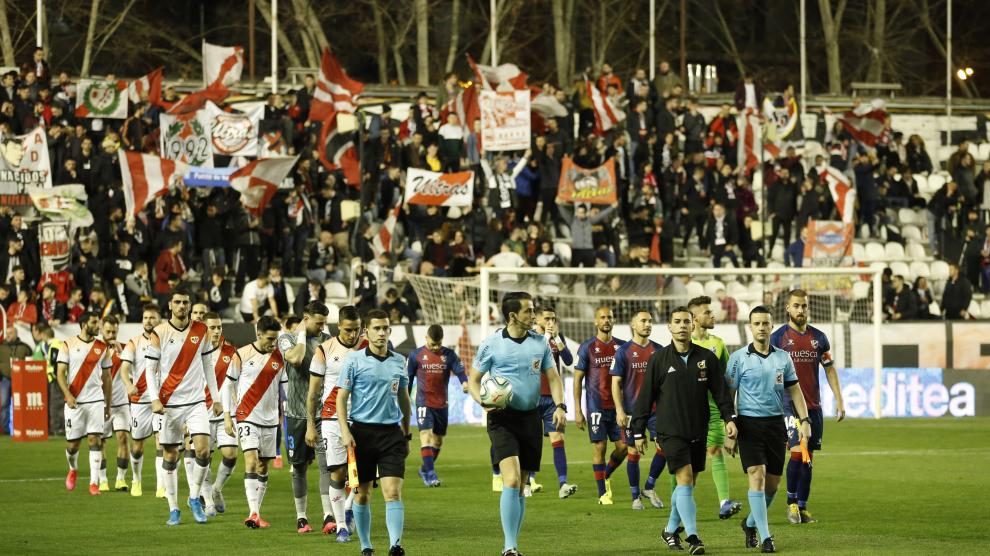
257,299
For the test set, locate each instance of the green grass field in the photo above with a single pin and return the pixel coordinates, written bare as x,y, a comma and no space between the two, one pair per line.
880,487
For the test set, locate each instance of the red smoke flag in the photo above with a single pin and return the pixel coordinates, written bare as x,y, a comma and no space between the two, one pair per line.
146,176
842,192
259,180
607,116
335,91
150,85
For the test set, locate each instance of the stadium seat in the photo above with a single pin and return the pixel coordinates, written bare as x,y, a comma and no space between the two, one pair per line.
859,252
922,182
920,268
934,309
940,271
916,251
906,216
861,290
985,308
777,253
944,152
334,315
864,231
775,264
900,267
735,289
336,291
563,250
416,246
744,310
983,152
874,252
713,286
974,309
935,182
894,252
454,213
548,289
911,231
695,288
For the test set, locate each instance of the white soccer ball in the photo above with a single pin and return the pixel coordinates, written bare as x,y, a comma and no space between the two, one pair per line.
496,391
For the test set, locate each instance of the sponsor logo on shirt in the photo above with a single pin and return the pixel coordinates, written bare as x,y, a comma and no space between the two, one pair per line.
194,339
671,369
780,377
535,366
702,375
701,364
395,386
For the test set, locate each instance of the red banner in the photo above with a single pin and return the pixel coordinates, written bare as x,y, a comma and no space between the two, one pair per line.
29,393
587,185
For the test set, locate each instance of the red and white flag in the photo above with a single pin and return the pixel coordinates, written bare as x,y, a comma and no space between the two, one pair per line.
842,192
750,134
258,181
465,105
434,188
505,77
607,116
146,176
222,64
150,84
866,123
338,152
196,100
382,242
335,91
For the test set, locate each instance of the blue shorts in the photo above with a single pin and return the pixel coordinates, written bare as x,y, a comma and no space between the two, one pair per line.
651,426
603,425
432,418
545,408
817,426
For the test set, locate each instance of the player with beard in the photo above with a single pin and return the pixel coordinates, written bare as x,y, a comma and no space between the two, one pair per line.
132,373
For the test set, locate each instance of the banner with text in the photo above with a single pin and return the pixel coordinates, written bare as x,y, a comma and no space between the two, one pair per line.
54,241
433,188
187,138
587,185
24,164
234,133
505,120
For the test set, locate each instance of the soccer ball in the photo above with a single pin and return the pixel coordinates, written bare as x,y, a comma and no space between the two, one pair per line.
496,391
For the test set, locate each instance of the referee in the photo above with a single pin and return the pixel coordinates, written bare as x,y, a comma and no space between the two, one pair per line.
374,380
519,354
759,373
678,380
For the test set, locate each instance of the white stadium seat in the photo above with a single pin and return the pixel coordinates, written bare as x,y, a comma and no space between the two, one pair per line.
906,216
777,253
894,252
900,267
940,270
985,308
935,182
934,309
744,310
336,290
874,252
916,251
974,309
736,289
920,268
713,286
695,289
334,315
922,182
911,231
984,152
944,152
861,290
563,250
859,252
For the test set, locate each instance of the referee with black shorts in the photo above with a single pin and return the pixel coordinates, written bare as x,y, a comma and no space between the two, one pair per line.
678,380
757,376
519,354
374,381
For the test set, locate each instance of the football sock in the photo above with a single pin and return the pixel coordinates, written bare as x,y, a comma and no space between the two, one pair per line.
522,513
170,480
362,522
426,452
632,468
614,461
804,485
202,465
321,463
103,468
262,489
251,491
599,469
758,503
496,470
337,495
121,469
687,509
206,491
721,476
560,461
656,468
395,518
72,458
436,453
750,521
349,502
793,477
159,472
675,517
189,462
509,508
137,461
299,489
223,473
95,461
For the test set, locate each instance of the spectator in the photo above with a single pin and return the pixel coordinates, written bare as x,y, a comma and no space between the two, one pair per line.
782,204
49,309
219,294
721,237
956,157
311,291
323,260
210,238
904,304
694,128
730,308
666,80
749,95
964,174
75,306
169,263
752,251
366,288
281,292
917,157
10,349
451,144
794,255
393,304
257,299
508,258
23,310
956,295
943,206
138,285
925,298
582,246
462,255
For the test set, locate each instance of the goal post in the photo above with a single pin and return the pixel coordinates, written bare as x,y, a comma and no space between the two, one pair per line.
844,302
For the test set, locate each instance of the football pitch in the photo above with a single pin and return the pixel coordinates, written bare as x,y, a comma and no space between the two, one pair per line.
880,487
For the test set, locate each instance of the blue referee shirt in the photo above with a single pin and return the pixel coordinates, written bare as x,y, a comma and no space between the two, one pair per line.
374,383
760,380
520,360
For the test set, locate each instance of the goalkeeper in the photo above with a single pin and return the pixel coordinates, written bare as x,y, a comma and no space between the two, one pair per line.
519,354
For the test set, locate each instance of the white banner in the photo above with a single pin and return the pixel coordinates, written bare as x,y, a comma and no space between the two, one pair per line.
186,138
234,134
101,99
24,164
504,120
55,243
433,188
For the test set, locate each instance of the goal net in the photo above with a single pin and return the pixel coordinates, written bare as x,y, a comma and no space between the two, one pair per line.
845,303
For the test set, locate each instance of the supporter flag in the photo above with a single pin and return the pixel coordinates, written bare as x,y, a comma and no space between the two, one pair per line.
145,177
587,185
842,192
866,122
335,91
194,101
749,132
607,116
433,188
382,243
829,244
505,77
150,84
259,180
222,64
337,151
63,202
101,99
465,105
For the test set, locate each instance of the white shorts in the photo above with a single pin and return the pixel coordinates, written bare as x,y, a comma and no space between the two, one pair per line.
156,423
194,418
85,419
336,453
262,439
120,420
219,437
142,421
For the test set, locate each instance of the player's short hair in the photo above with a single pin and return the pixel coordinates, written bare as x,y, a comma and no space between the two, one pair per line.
435,332
211,316
268,323
679,309
43,329
111,319
512,303
640,312
348,312
600,307
314,308
699,301
548,309
760,310
797,293
292,321
375,314
151,307
86,316
180,290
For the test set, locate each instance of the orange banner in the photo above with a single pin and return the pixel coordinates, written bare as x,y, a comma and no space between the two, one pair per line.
587,185
29,392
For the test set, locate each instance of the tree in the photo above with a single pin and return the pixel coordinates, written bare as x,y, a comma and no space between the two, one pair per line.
422,43
6,43
455,22
563,42
284,41
875,73
831,25
94,15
